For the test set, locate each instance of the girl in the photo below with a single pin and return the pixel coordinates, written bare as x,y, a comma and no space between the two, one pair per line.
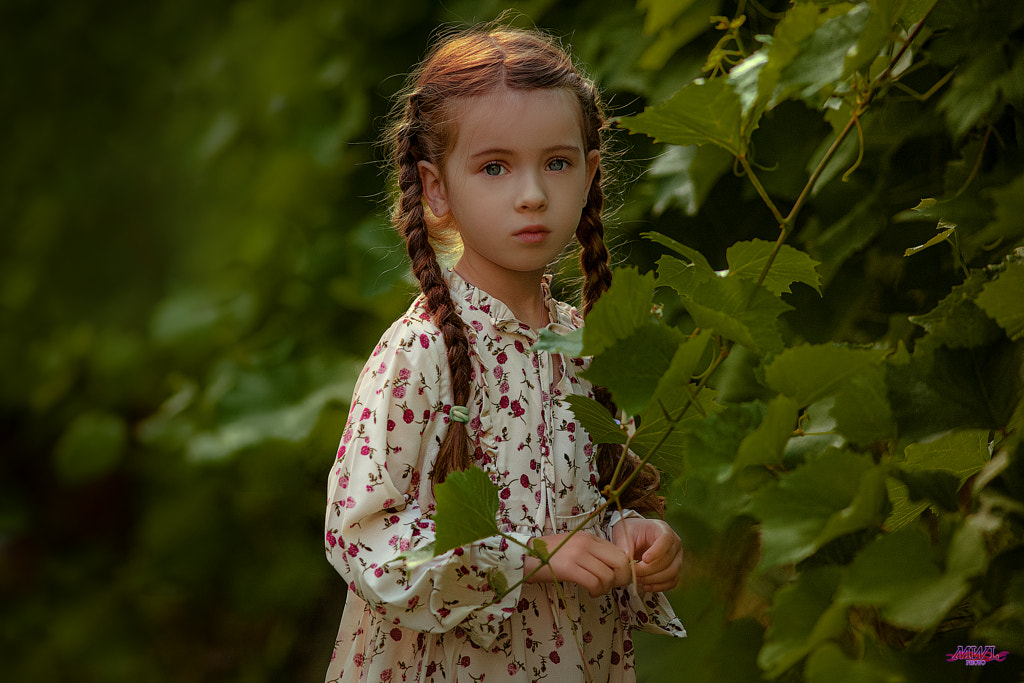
496,148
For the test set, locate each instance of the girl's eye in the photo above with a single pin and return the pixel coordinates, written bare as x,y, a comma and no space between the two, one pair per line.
493,168
558,165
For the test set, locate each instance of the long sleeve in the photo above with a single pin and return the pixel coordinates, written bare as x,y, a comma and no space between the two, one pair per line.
380,498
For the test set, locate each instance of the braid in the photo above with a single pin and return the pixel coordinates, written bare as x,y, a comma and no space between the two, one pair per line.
641,494
455,453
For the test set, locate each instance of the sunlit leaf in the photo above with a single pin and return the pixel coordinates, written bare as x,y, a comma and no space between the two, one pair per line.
692,256
596,419
620,311
571,343
739,310
810,373
467,506
704,112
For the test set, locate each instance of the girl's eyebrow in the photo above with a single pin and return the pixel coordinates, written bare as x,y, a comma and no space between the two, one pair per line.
554,149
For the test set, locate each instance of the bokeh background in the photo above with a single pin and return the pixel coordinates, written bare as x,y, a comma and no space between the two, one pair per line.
195,262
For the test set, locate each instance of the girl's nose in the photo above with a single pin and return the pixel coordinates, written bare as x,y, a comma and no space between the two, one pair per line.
532,193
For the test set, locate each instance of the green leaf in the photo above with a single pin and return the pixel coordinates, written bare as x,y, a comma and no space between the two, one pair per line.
90,447
767,443
810,373
897,574
747,260
862,411
620,311
802,617
692,256
713,443
1006,226
828,664
685,175
704,112
737,309
466,511
632,367
681,276
821,500
1003,299
799,23
959,454
821,61
672,394
957,321
596,419
683,21
571,343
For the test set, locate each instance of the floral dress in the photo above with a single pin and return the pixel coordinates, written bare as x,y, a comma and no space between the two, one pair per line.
441,620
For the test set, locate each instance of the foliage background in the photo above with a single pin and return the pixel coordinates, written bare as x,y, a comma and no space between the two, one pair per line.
194,264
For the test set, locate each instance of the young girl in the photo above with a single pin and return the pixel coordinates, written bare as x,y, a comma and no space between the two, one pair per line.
497,149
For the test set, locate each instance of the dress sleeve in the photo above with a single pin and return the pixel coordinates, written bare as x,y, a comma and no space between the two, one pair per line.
649,612
380,499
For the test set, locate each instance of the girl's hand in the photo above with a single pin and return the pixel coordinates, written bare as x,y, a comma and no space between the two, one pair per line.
594,563
655,547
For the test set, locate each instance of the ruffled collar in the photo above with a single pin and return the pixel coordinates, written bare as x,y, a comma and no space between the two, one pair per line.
471,299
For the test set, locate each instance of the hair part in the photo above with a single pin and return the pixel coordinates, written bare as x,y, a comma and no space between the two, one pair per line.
467,64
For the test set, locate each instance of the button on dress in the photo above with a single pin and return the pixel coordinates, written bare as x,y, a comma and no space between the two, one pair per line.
441,619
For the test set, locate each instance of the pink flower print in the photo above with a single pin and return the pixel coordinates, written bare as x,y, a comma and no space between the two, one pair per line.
588,637
385,675
502,358
517,410
431,668
615,658
413,601
498,372
396,634
503,387
443,612
465,661
353,550
350,502
394,519
571,427
559,640
512,669
425,343
404,544
391,425
477,325
343,482
347,436
398,392
331,540
588,449
627,645
505,494
378,572
524,481
365,450
503,545
341,453
536,363
357,659
519,346
366,414
408,416
404,374
503,403
535,466
554,657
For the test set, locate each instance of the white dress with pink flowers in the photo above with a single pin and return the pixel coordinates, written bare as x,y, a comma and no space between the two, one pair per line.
442,620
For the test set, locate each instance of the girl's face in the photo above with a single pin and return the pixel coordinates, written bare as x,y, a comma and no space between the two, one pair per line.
514,183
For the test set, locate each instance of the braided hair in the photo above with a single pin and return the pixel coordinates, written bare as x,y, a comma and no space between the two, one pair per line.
466,64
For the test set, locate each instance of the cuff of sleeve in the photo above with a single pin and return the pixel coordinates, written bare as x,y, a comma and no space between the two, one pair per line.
483,625
651,612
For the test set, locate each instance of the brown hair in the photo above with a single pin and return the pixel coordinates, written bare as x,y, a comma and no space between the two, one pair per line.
471,63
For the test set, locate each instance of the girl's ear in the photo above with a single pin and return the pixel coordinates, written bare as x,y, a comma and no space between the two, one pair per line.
433,188
593,162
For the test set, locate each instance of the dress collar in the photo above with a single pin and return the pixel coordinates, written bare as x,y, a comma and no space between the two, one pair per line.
473,300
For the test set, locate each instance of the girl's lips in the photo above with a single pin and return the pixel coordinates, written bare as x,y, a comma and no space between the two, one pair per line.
532,234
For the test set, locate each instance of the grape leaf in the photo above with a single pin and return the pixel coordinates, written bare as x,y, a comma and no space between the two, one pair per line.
810,373
596,419
632,366
703,112
739,310
802,617
467,506
747,260
1002,299
819,501
620,311
957,321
